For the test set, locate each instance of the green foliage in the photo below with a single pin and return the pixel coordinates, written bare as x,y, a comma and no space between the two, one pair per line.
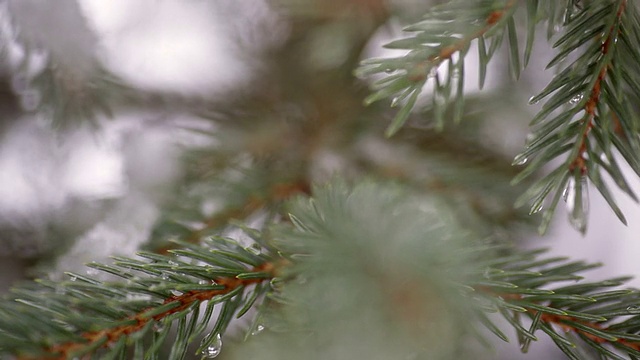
70,101
443,39
408,252
340,241
155,296
369,256
588,117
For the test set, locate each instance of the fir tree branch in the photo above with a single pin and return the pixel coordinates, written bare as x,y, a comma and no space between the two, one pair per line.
587,116
65,320
597,87
339,242
579,161
337,235
448,30
72,87
522,284
135,323
276,194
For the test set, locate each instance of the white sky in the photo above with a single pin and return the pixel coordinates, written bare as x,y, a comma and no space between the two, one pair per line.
166,44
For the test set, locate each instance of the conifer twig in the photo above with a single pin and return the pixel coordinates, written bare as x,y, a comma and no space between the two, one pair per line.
423,69
590,107
106,337
434,44
276,194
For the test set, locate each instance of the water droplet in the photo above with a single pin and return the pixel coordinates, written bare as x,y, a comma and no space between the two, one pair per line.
176,293
520,160
389,71
92,272
533,100
576,195
214,349
395,101
576,99
173,263
254,249
158,327
164,276
633,309
73,278
276,284
204,282
535,210
259,328
529,139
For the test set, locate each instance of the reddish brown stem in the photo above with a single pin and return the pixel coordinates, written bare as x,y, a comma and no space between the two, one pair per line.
564,322
423,68
590,108
112,335
277,193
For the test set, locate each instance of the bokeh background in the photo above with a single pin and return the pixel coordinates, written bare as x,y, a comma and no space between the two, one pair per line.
96,192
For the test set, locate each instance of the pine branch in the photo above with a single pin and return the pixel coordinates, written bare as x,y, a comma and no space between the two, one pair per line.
522,284
172,305
254,202
588,113
339,246
335,254
397,269
71,86
81,316
443,38
588,116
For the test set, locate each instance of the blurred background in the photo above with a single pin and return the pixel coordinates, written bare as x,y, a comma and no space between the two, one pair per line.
98,188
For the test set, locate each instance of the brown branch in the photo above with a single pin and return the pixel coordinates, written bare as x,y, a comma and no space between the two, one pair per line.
563,321
277,193
590,108
422,69
112,335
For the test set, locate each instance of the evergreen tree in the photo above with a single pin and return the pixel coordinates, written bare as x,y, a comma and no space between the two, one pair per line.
339,239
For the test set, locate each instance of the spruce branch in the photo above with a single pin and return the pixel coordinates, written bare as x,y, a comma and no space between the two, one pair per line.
587,116
172,305
338,247
444,37
83,315
272,196
335,254
59,74
523,284
401,270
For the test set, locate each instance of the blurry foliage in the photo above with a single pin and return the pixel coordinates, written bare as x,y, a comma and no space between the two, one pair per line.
295,210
